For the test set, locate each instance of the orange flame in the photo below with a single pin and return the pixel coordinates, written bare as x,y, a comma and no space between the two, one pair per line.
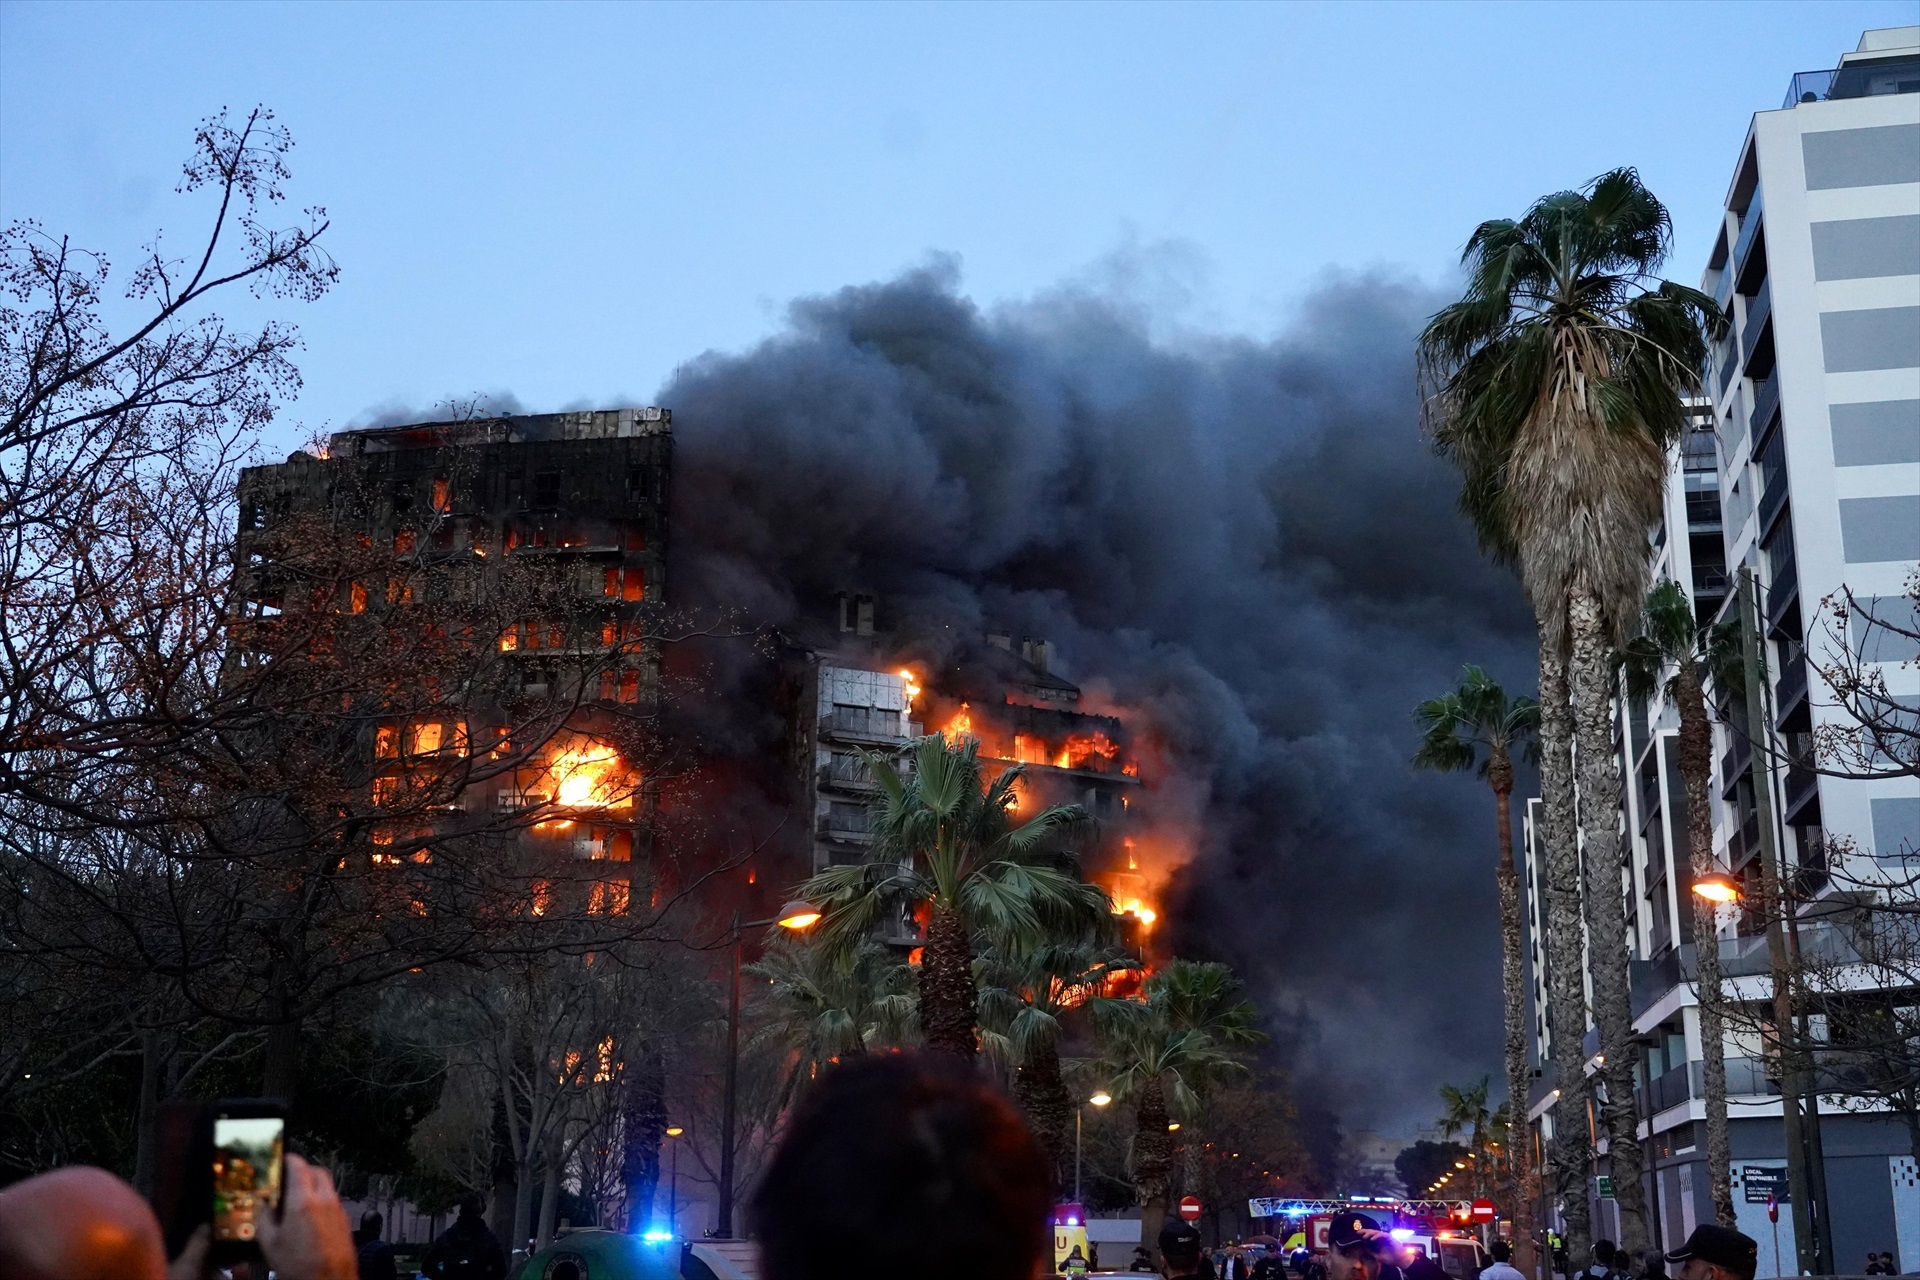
961,726
1086,751
587,775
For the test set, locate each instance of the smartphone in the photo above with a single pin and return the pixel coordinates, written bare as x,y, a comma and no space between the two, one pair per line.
247,1168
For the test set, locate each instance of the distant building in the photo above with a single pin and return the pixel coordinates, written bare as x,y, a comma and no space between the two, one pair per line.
1803,467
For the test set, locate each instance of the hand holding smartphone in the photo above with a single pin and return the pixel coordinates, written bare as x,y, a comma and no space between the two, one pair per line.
249,1170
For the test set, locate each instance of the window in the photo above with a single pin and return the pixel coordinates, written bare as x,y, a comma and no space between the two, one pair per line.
405,542
624,584
356,597
636,538
386,742
546,490
402,495
426,738
442,494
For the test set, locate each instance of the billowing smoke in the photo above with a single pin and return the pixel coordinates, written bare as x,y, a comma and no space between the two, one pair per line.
1247,542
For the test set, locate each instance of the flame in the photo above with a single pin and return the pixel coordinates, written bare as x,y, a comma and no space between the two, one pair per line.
1086,751
913,686
588,777
1029,750
961,726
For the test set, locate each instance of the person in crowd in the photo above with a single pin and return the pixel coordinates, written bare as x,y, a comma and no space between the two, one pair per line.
1886,1260
1501,1268
1601,1267
1075,1263
1421,1266
1880,1264
1234,1265
905,1164
1181,1257
1355,1243
1300,1260
1653,1265
467,1250
374,1255
1142,1260
1269,1266
86,1224
1557,1250
1714,1252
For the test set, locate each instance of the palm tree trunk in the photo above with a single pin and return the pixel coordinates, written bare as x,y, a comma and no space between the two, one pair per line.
1566,962
1696,774
1042,1094
1592,685
1152,1159
947,1015
1525,1190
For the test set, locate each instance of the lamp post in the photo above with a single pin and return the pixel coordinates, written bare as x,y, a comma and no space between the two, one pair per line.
795,915
1100,1098
673,1183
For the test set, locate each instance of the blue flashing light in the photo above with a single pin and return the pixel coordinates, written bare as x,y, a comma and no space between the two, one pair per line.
1402,1234
1072,1221
656,1236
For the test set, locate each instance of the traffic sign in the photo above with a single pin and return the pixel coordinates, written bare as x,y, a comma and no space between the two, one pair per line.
1483,1210
1190,1208
1606,1187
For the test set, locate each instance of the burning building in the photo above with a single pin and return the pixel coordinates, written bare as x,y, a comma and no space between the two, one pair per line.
512,563
856,687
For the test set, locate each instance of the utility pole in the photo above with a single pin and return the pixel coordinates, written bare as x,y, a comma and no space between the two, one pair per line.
1773,896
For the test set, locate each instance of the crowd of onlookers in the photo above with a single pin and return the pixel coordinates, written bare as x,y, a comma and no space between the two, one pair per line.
902,1167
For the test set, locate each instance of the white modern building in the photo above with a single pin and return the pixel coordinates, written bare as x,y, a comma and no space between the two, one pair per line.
1803,469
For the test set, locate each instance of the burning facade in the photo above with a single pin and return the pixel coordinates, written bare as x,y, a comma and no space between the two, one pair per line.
516,560
857,687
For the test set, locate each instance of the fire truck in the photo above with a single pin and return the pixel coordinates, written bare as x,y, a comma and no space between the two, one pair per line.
1442,1229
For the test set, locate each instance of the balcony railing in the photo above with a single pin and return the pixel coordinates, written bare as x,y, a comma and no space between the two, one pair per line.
1766,403
1802,785
1703,512
1749,232
1862,80
1736,762
1791,690
879,726
1758,313
1782,592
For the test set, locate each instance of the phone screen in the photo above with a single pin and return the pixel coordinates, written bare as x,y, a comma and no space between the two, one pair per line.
249,1158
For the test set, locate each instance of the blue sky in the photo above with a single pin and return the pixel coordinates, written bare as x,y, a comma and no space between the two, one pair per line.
566,201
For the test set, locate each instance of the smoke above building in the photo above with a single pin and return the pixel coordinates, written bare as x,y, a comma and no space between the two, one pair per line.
1244,549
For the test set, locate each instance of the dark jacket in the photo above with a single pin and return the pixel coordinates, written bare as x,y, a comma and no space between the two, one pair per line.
466,1251
375,1258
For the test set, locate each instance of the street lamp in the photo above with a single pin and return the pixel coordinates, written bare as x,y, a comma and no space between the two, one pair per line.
1100,1098
1717,886
673,1183
796,915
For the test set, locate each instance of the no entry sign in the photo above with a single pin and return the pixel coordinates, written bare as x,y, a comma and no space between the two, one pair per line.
1190,1208
1483,1211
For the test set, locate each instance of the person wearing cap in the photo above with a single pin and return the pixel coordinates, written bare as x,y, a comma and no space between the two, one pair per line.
1355,1244
1714,1252
1180,1253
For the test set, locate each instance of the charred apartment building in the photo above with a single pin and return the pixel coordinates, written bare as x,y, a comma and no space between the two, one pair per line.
572,503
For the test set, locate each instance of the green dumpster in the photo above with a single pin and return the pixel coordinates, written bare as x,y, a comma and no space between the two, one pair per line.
604,1255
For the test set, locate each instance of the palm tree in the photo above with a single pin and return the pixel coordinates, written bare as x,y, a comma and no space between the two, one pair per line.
1671,639
1456,728
1466,1113
1024,998
822,1007
1557,384
944,842
1164,1051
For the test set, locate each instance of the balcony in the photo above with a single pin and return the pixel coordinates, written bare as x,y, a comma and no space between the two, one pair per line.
1749,233
863,725
1790,693
1859,80
1766,403
1801,792
1772,499
1669,1089
1759,312
1709,583
1703,511
1735,764
1782,594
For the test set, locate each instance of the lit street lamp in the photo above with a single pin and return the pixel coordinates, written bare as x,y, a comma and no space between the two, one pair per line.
673,1184
1100,1098
1717,886
795,915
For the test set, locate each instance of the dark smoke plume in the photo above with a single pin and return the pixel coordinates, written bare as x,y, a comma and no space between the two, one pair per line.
1248,541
